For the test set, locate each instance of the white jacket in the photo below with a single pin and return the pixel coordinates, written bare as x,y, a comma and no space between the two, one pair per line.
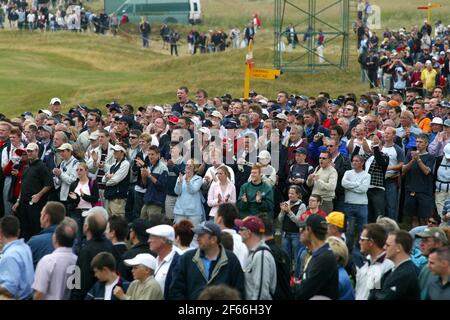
239,248
369,276
119,175
109,161
68,175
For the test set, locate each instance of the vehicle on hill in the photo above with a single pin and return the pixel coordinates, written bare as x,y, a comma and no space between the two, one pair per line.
165,11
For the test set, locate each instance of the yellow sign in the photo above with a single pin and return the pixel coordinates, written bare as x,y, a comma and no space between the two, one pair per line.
268,74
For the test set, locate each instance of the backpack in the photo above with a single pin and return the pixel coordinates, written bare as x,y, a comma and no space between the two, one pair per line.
283,264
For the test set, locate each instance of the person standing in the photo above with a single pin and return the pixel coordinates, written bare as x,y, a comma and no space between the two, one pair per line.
189,204
116,181
161,241
260,269
220,266
368,276
356,183
400,283
174,37
50,281
154,178
16,264
36,183
418,171
65,174
439,264
145,29
324,181
94,229
42,244
320,277
396,160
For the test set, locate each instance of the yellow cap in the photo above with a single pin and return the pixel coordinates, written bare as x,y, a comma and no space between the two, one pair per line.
336,218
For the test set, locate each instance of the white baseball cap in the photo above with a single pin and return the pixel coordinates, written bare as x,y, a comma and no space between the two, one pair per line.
158,108
264,154
118,147
32,146
47,112
281,116
437,120
217,114
55,100
65,146
145,259
162,230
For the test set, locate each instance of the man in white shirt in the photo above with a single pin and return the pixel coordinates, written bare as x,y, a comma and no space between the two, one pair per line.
368,277
226,214
161,242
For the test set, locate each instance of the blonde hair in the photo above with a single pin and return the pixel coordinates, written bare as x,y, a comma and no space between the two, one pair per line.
225,170
339,249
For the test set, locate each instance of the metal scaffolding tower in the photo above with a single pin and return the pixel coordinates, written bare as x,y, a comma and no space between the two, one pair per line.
309,17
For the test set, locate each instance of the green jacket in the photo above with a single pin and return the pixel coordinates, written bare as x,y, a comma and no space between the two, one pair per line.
251,207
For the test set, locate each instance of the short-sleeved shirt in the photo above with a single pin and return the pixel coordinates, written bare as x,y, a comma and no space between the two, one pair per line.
416,180
396,155
52,272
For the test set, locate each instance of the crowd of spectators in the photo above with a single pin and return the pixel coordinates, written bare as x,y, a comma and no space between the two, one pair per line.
252,193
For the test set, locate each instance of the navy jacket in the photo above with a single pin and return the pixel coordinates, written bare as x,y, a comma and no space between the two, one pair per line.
42,244
155,193
97,292
400,284
190,280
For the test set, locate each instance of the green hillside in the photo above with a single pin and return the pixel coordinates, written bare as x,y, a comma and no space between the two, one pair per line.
92,69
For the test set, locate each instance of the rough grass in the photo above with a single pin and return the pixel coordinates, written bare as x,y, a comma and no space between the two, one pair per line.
93,70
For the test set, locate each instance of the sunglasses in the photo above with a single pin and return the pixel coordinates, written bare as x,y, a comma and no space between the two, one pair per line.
133,137
364,238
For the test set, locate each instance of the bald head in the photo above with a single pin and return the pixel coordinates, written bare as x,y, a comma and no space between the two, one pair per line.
96,222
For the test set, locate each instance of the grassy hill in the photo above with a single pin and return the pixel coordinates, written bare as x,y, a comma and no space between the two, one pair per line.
92,69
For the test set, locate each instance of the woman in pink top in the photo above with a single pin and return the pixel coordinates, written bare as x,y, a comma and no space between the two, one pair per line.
221,190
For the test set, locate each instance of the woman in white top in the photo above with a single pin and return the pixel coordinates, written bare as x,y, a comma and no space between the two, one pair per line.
221,190
83,195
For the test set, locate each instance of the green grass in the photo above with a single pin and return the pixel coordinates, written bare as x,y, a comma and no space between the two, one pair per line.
93,70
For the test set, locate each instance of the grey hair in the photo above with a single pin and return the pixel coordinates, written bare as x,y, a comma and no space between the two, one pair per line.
388,224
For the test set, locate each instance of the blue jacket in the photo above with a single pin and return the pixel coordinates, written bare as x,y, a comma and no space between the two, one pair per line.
345,286
190,277
42,244
155,193
190,199
97,292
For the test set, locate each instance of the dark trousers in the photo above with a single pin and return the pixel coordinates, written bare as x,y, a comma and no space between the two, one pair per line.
29,217
76,214
376,203
173,47
129,211
372,74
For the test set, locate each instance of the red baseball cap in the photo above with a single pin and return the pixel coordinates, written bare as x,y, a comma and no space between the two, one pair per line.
173,119
252,223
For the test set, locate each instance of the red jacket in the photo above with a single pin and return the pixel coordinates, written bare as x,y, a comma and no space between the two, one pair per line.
18,179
